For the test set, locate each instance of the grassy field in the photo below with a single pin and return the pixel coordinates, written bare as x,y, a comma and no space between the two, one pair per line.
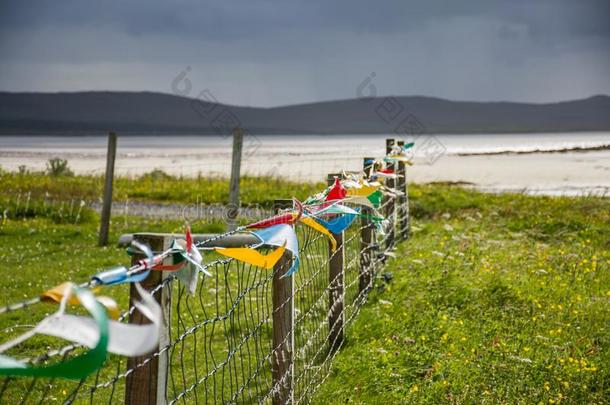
156,186
46,250
494,298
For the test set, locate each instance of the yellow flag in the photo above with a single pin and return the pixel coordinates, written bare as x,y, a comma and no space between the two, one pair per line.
318,227
253,256
364,191
56,294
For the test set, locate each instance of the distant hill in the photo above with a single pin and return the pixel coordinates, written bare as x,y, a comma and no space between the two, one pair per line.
155,113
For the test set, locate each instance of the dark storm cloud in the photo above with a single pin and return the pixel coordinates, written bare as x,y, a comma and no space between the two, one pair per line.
268,53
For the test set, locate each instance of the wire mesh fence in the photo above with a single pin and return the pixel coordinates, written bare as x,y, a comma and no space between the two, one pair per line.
223,344
220,345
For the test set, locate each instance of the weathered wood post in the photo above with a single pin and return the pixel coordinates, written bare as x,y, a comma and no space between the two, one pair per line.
403,200
282,359
366,241
147,384
107,204
234,202
336,283
390,202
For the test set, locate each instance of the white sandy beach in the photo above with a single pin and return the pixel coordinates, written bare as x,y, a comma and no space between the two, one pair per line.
310,158
572,173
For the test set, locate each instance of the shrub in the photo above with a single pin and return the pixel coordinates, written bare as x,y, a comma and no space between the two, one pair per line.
157,174
58,167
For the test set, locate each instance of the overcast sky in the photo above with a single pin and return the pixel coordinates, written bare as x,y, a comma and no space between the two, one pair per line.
267,53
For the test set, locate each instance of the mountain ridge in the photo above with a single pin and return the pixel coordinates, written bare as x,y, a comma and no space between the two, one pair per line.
92,112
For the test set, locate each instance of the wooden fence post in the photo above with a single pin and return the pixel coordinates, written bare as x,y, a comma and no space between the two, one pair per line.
366,241
234,202
282,359
336,285
403,200
390,208
147,384
107,204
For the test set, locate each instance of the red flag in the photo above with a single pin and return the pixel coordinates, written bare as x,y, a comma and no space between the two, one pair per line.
287,218
337,192
278,219
189,239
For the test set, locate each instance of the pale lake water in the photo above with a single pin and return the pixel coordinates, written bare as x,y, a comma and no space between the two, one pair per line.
311,157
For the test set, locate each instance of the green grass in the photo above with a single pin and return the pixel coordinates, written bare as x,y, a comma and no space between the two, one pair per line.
153,187
495,299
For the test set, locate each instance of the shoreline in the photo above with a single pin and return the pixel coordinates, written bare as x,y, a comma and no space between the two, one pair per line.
525,152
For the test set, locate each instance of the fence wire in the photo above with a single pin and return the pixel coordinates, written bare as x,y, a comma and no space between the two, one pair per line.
219,344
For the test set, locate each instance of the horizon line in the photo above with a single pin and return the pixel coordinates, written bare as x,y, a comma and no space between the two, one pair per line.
305,103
